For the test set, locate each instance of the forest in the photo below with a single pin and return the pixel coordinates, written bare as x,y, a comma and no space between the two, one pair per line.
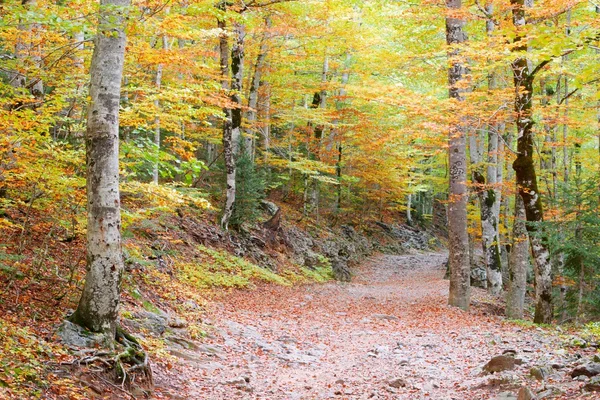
300,199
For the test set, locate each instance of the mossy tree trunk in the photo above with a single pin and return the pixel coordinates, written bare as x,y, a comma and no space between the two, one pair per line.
524,166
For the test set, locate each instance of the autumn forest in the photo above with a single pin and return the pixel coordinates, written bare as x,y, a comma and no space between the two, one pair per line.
299,199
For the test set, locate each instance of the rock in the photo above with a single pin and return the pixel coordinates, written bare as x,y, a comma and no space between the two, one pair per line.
499,364
506,396
153,322
397,383
525,394
241,380
175,322
269,207
593,385
76,336
589,370
182,343
479,277
540,373
340,269
385,316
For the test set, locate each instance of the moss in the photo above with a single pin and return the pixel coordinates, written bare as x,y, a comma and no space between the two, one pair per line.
220,269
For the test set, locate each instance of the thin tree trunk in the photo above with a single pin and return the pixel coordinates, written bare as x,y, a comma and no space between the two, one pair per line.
99,303
459,295
519,261
237,75
228,139
251,114
525,169
157,84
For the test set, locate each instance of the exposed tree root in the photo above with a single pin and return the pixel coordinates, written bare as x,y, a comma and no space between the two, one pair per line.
125,368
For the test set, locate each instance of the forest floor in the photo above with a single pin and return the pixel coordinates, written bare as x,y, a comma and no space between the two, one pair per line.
386,335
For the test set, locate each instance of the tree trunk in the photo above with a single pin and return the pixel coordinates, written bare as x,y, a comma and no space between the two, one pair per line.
525,169
237,78
157,84
228,139
519,261
99,303
251,114
460,268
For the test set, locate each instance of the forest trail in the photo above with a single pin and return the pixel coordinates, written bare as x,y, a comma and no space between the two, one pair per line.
347,341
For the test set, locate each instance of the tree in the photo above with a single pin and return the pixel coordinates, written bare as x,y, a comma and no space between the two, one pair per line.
457,206
524,165
99,303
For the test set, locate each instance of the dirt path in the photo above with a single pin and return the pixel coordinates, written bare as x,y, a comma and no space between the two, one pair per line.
347,341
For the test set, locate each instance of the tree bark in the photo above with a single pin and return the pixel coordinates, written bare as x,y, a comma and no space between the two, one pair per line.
460,268
251,114
99,303
519,261
157,84
228,138
525,168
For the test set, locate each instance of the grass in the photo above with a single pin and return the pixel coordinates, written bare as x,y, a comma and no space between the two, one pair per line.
216,268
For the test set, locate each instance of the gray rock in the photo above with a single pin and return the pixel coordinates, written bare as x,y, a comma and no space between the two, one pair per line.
74,335
479,277
269,207
540,373
506,396
385,316
156,324
589,370
176,322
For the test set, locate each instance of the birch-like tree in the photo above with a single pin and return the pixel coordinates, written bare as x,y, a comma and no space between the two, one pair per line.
99,303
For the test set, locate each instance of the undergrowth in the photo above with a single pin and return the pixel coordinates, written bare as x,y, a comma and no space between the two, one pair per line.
217,268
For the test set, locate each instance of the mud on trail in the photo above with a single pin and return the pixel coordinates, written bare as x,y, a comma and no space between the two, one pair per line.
387,335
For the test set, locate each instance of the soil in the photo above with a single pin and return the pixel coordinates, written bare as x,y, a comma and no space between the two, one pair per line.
388,334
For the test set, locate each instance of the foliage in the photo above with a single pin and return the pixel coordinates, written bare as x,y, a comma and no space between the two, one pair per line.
220,269
574,236
250,190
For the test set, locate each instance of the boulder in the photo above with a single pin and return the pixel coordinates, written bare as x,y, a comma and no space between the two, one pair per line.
589,370
155,323
479,277
76,336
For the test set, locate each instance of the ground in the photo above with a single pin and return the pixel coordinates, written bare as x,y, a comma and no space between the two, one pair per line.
387,335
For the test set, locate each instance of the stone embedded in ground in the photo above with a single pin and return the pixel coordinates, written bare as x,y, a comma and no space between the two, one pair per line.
540,373
74,335
593,385
506,396
525,394
589,370
175,322
397,383
499,364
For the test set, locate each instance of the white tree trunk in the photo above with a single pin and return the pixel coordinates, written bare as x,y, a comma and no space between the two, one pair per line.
99,303
460,269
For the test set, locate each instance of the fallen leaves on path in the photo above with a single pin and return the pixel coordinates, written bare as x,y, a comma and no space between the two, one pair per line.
387,335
